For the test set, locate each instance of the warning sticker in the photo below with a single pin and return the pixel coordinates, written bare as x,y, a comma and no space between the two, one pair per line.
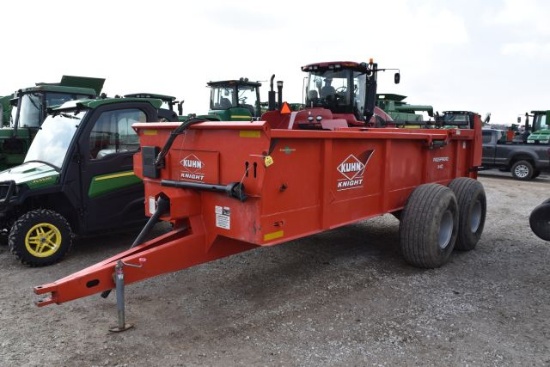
223,217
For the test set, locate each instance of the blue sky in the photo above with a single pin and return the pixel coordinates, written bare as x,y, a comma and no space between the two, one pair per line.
489,56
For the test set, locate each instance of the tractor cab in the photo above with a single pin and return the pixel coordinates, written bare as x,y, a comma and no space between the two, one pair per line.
538,132
336,94
30,104
235,100
29,108
347,89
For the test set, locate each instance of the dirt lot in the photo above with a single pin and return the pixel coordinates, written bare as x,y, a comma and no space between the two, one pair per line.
342,298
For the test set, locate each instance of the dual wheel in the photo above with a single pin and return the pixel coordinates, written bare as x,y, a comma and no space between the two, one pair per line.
40,237
438,219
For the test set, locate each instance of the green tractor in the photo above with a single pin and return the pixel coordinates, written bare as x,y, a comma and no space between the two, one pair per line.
400,111
27,109
77,178
537,132
239,100
235,100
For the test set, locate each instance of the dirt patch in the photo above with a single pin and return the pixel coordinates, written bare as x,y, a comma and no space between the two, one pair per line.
341,298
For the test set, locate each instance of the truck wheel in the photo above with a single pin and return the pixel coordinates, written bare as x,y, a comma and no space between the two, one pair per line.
522,170
429,226
472,209
40,237
539,220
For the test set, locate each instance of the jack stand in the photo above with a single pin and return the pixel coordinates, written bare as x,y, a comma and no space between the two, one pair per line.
119,282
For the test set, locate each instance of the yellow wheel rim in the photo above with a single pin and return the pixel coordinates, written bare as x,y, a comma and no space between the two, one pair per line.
43,240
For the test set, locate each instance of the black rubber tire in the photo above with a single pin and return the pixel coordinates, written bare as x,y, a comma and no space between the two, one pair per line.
522,170
429,226
40,237
539,220
472,210
397,214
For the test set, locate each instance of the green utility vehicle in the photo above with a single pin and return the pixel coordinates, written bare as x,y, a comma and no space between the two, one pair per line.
26,111
168,102
77,178
400,111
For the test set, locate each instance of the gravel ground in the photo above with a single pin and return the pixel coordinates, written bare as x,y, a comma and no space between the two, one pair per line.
340,298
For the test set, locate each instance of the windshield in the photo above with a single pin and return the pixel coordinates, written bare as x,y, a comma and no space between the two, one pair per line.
342,91
248,98
52,141
223,97
539,122
32,108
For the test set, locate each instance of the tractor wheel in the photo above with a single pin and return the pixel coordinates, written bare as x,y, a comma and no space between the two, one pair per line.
523,170
429,226
539,220
40,237
472,210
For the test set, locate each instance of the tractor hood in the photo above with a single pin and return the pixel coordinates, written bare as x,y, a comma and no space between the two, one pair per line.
34,174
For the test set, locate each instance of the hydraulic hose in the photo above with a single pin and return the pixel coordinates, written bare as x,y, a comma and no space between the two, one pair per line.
177,131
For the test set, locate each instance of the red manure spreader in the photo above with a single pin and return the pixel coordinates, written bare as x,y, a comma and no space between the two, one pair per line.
232,186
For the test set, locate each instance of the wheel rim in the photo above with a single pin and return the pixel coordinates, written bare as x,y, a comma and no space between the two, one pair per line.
475,219
446,229
43,240
521,171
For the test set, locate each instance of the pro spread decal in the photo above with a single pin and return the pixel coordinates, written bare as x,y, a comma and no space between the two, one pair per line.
193,168
352,170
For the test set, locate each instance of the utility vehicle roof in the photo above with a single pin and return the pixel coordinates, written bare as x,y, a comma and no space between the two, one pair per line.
164,97
94,103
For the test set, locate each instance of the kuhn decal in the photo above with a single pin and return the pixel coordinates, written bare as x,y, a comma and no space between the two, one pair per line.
352,170
193,168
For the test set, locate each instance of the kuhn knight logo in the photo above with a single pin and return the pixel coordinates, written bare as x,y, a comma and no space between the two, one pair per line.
352,169
192,168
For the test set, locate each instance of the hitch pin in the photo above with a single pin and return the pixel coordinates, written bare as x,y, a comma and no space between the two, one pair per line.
119,282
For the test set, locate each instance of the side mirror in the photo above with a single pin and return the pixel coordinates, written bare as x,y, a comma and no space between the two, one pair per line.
397,78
